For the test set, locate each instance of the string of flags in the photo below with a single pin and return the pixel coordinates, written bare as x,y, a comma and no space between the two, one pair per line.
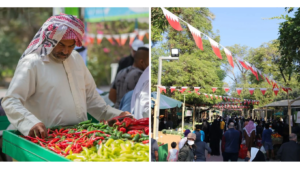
120,39
197,36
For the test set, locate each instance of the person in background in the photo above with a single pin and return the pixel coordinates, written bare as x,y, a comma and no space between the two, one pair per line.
249,134
129,60
154,150
200,148
205,129
201,132
173,153
222,126
231,143
289,151
186,153
214,136
169,124
127,78
267,141
255,155
184,139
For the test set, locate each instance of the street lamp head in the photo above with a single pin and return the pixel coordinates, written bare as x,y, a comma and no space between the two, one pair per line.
175,52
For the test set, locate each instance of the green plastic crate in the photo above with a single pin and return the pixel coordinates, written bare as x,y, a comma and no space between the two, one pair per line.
21,149
4,123
163,152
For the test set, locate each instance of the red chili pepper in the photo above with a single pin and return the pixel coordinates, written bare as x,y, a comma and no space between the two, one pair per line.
145,142
139,127
54,141
42,140
100,142
135,132
143,121
61,130
126,122
48,131
65,131
146,130
122,129
56,131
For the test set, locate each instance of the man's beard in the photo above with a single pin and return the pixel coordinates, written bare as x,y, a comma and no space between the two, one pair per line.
56,57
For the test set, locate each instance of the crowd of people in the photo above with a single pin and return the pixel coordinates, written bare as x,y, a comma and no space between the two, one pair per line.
236,136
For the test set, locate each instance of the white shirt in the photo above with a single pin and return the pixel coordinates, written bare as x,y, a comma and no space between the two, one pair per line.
54,93
140,97
182,142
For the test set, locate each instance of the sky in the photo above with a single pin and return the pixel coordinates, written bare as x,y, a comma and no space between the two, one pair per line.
246,26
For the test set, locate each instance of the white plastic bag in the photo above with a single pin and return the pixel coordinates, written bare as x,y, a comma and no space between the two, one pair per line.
262,149
244,141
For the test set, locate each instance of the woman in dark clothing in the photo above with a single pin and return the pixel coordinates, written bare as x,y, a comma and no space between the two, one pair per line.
205,128
215,138
200,148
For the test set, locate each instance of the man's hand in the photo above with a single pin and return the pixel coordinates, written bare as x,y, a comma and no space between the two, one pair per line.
208,155
39,129
125,113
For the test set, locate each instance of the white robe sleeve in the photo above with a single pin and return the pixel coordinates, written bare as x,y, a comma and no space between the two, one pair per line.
96,105
21,88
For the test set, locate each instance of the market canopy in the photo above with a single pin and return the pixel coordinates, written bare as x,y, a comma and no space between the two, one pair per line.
283,103
165,101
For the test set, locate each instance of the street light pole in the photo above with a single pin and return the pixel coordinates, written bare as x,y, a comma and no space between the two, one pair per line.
156,113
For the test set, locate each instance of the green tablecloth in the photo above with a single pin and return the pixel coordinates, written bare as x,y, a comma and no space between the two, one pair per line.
163,152
4,123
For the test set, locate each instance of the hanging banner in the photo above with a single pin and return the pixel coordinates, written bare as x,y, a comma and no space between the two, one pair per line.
99,38
131,37
173,88
172,19
276,91
117,38
124,38
91,38
239,90
142,33
214,89
226,89
109,38
183,88
229,57
215,47
206,95
197,36
242,63
267,80
251,90
196,89
211,96
263,90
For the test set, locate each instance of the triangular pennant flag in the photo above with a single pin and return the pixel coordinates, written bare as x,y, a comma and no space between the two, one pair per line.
276,91
260,74
147,35
239,90
162,88
242,63
263,90
211,96
109,38
117,38
91,38
124,38
226,89
267,80
220,97
142,33
229,57
196,89
214,89
172,88
224,98
215,47
99,38
252,70
183,88
286,89
197,36
198,93
216,96
206,95
131,37
172,19
251,90
181,91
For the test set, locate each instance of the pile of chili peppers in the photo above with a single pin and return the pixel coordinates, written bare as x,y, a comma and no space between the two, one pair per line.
125,140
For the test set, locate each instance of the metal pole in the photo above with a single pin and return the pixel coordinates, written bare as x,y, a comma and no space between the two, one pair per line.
289,114
156,113
182,114
194,112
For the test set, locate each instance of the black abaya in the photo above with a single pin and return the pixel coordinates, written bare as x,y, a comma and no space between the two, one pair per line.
215,138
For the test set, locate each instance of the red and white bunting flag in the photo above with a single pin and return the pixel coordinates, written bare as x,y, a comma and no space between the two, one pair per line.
216,97
91,38
215,47
124,38
110,39
183,88
263,90
248,101
224,98
147,35
257,102
131,37
198,93
276,91
253,70
286,89
211,96
206,95
181,91
220,97
239,90
196,89
260,74
99,38
142,33
214,89
251,90
245,101
172,88
232,99
197,36
242,63
172,19
117,38
229,57
162,88
267,79
226,89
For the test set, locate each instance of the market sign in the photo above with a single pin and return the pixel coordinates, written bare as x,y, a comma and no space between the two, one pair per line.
188,113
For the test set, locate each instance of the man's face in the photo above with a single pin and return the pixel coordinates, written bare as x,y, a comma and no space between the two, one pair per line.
63,49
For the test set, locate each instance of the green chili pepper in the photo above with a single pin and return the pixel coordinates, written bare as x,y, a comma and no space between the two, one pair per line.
144,136
103,126
126,135
105,131
114,137
136,137
85,126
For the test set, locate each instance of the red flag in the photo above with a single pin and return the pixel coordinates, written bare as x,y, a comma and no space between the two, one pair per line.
142,33
251,90
162,88
224,98
91,38
124,38
226,89
211,96
215,47
196,89
220,97
263,90
239,90
214,89
198,93
253,72
181,91
242,63
131,37
216,96
99,38
276,91
109,38
172,19
183,88
117,38
206,95
172,88
286,89
197,36
229,57
267,80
